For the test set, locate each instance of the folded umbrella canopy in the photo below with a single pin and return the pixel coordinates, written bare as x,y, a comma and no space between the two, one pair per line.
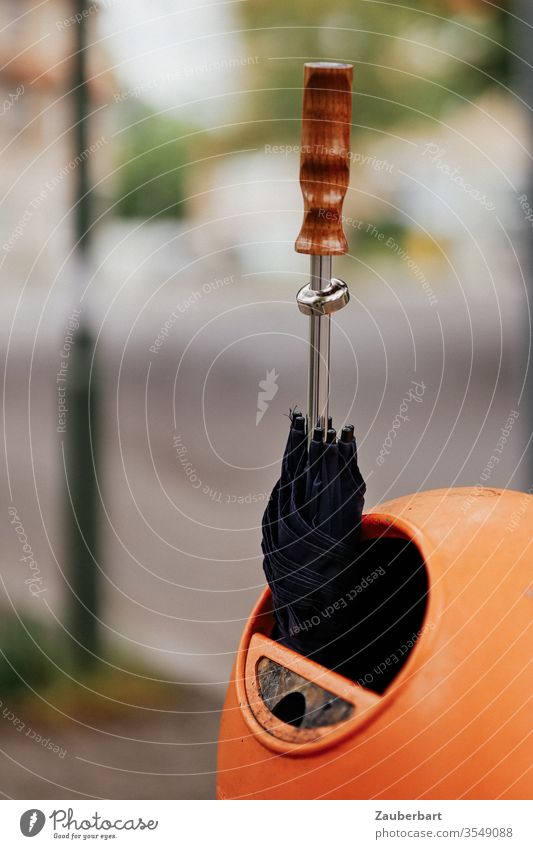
310,536
311,524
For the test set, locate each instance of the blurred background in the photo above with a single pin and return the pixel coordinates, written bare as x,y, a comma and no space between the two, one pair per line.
151,344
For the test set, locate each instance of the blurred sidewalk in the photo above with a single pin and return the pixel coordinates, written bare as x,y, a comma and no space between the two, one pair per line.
153,755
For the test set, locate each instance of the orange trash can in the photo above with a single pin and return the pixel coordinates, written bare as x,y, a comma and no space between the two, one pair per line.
452,721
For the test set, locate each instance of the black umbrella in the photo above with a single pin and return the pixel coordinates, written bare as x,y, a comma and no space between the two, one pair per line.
310,543
311,525
351,604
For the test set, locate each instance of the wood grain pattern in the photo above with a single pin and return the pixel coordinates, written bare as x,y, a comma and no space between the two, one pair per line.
325,156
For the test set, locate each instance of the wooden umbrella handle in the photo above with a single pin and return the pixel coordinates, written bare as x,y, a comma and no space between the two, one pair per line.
325,156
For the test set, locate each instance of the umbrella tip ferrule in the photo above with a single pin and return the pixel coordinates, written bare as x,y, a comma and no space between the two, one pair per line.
331,436
347,433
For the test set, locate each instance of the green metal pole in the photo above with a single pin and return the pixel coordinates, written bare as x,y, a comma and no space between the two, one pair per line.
81,437
81,115
81,456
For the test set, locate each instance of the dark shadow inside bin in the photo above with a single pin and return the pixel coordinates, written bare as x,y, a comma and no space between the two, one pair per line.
371,631
291,708
388,613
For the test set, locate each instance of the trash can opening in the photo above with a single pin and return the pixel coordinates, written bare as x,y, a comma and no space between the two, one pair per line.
368,634
386,615
389,616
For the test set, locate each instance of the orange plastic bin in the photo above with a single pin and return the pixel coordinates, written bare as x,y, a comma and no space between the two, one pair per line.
454,721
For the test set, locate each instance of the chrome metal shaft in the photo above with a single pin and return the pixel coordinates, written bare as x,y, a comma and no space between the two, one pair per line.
319,346
320,298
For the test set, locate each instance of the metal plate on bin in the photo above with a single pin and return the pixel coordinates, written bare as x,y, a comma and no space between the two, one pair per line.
297,701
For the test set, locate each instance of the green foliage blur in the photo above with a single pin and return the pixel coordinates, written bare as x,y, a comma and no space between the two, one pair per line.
27,654
414,62
150,179
40,665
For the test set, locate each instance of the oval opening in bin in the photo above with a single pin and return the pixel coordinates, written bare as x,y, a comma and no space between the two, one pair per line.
347,682
368,635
